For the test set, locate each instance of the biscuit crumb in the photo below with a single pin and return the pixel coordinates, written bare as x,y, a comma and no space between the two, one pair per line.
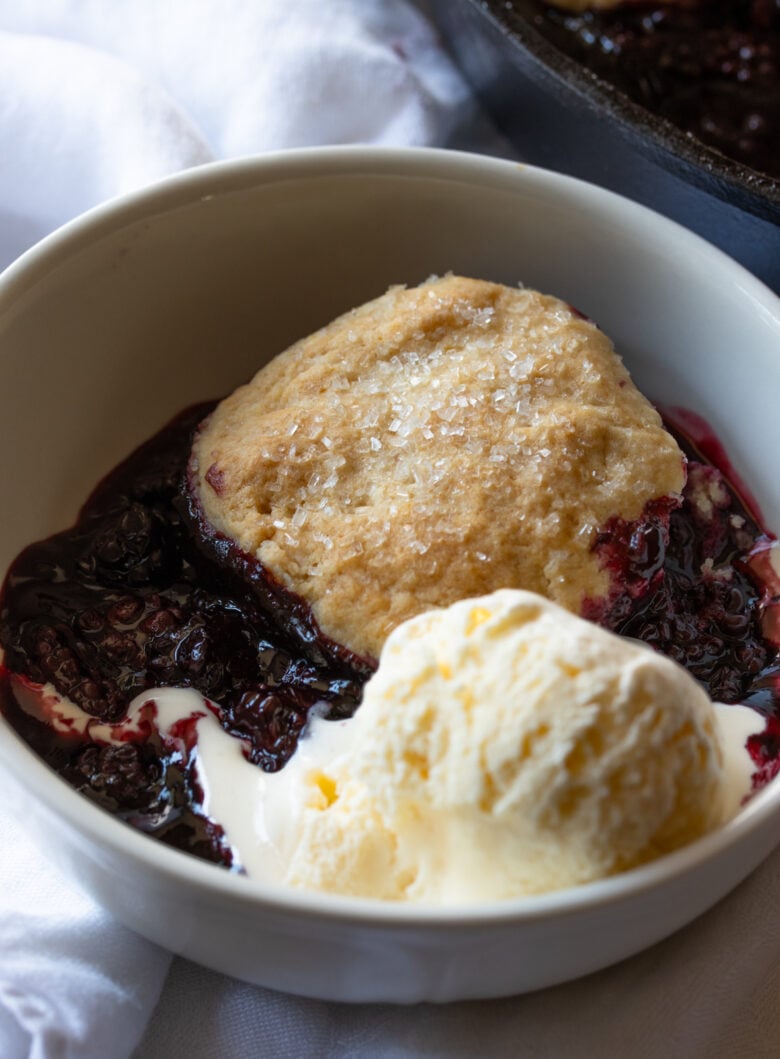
437,443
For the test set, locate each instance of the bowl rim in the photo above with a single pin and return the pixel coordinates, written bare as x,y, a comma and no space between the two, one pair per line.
180,189
687,157
106,831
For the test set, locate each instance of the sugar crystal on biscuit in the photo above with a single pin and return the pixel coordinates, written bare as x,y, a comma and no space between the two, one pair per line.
375,465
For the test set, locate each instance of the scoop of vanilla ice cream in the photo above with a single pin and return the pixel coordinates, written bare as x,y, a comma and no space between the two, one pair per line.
506,747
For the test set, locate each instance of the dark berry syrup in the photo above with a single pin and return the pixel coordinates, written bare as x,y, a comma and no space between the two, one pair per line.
695,582
126,601
711,68
134,597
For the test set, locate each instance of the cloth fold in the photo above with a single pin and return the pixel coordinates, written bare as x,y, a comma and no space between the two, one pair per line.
78,127
97,99
73,982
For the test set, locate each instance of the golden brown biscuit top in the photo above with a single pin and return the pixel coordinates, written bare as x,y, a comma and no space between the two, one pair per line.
434,444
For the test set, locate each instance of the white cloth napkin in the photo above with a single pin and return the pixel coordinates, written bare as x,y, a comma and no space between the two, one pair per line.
101,96
72,981
98,98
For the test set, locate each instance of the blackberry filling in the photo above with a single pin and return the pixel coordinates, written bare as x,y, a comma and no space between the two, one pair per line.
711,68
128,599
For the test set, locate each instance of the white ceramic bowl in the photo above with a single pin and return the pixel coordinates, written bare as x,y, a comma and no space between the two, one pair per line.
180,292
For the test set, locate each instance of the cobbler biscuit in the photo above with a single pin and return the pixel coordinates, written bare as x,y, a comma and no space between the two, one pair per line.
434,444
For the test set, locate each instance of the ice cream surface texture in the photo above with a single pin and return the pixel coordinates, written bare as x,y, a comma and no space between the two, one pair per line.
504,747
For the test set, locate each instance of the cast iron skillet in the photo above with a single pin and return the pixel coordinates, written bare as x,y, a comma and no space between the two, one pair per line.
560,115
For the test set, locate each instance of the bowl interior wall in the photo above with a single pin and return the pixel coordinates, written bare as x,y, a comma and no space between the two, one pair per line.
127,325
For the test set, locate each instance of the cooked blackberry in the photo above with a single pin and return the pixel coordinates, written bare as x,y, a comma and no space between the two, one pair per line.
680,581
